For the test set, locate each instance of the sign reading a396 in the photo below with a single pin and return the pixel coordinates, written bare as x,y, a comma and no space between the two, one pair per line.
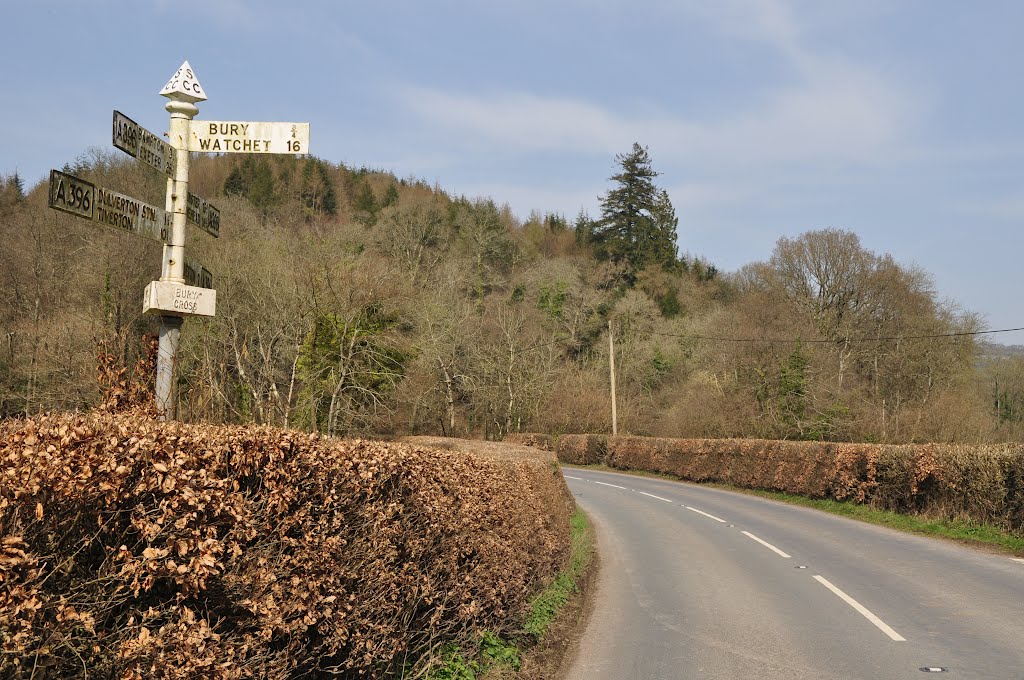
72,195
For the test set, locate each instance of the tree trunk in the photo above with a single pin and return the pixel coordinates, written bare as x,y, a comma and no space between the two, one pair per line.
291,387
449,393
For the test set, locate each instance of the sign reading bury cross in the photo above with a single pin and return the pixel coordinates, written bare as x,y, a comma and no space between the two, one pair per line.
214,136
138,142
179,300
84,199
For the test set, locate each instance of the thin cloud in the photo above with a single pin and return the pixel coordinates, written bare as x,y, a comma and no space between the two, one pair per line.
1009,208
524,198
856,119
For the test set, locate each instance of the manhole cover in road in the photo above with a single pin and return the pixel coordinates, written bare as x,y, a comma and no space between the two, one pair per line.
933,669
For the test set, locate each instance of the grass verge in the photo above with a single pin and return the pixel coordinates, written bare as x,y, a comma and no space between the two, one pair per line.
546,606
971,533
495,657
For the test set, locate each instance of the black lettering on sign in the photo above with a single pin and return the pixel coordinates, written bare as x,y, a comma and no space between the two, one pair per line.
126,134
72,195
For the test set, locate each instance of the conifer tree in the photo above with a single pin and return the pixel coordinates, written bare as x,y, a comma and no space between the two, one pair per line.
584,228
235,184
366,206
638,223
262,192
18,185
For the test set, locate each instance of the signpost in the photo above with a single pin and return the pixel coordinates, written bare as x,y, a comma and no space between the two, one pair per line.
203,215
84,199
197,275
138,142
185,287
166,297
215,136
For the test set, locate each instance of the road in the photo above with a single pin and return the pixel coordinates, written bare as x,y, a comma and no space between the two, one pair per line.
698,582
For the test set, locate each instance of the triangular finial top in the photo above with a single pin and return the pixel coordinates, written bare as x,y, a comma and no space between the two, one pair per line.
184,85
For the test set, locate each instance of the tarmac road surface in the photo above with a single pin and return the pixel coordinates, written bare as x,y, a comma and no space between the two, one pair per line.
697,582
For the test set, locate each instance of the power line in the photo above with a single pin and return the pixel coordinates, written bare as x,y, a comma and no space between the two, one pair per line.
790,341
821,341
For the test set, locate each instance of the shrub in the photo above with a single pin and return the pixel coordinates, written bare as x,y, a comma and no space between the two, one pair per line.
582,449
955,481
136,549
544,442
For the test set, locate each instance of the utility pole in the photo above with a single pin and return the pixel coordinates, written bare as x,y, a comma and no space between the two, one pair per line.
611,367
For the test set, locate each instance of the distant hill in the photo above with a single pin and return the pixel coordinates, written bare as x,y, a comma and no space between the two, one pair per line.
993,350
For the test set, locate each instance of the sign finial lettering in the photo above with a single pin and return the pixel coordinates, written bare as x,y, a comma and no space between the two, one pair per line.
184,85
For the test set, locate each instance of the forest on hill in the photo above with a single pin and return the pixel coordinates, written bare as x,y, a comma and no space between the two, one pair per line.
351,302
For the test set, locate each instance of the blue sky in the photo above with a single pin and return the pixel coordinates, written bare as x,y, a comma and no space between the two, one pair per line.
900,120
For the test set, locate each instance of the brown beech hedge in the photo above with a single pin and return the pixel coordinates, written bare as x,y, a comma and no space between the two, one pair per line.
544,442
582,449
956,481
136,549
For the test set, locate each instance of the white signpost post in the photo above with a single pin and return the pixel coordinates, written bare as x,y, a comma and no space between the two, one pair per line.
185,287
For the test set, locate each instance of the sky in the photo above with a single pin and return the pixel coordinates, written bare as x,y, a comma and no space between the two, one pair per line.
899,120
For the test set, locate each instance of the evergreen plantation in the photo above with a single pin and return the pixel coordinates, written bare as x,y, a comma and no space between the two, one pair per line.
350,302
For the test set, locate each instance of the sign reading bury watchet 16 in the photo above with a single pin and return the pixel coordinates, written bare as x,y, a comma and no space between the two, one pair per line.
214,136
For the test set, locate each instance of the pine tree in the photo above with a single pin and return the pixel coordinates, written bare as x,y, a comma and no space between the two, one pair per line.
663,233
316,189
235,184
262,193
366,206
330,200
638,223
584,228
18,185
12,191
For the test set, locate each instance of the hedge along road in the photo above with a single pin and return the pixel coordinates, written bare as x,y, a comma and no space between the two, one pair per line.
698,582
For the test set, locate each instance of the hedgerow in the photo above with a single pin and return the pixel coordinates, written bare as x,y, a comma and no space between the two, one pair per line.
982,483
544,442
582,449
136,549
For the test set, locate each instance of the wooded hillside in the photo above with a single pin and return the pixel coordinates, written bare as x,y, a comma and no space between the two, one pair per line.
351,301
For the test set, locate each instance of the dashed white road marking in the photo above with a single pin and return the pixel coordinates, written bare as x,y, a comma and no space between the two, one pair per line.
861,609
1018,559
765,544
653,496
701,512
607,484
